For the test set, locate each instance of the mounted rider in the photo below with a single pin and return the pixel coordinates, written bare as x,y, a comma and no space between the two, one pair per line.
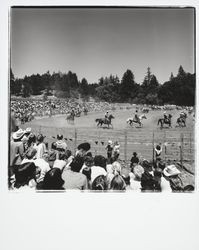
166,118
136,118
106,116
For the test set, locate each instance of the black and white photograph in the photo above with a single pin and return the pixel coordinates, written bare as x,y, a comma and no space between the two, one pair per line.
99,125
102,99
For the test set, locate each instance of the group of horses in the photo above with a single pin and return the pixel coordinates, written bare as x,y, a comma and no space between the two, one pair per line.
107,122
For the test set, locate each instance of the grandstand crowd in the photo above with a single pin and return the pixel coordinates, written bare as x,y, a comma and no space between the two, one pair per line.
34,165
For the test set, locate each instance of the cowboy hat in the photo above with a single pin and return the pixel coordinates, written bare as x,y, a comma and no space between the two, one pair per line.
18,134
171,170
27,130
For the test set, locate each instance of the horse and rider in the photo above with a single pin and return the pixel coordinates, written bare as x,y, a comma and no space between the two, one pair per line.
181,121
165,120
136,119
105,121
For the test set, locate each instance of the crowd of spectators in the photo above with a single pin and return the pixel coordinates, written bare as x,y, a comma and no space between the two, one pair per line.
35,166
26,110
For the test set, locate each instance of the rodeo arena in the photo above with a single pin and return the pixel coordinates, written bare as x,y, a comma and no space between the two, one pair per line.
60,144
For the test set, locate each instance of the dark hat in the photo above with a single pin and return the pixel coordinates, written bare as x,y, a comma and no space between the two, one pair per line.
85,146
59,137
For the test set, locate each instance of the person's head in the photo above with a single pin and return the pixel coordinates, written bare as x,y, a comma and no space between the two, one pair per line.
31,138
100,183
125,173
88,161
40,138
83,148
100,161
76,164
116,166
53,180
118,183
134,154
62,156
24,173
138,170
17,136
59,137
68,153
53,146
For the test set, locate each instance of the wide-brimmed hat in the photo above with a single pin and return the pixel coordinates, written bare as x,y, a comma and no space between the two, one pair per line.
28,130
18,134
171,170
59,137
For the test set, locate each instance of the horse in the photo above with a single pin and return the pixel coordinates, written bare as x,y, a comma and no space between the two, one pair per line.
104,121
163,121
70,118
181,121
130,121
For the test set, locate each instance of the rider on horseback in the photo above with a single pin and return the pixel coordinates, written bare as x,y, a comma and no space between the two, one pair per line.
136,118
165,116
106,116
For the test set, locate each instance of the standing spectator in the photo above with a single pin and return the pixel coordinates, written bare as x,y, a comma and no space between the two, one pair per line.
109,149
134,160
116,150
16,149
158,151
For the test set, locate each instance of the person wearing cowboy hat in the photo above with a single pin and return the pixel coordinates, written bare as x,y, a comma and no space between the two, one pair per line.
16,148
171,173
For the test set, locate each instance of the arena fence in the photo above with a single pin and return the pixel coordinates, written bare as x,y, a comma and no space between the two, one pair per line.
177,146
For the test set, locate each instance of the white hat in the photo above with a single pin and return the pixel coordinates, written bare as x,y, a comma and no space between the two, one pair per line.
171,170
28,130
18,134
110,142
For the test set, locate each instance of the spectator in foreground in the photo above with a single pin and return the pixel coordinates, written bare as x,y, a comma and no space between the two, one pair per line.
25,176
53,180
73,178
100,183
118,183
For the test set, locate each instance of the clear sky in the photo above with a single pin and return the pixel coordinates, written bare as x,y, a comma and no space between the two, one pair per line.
98,42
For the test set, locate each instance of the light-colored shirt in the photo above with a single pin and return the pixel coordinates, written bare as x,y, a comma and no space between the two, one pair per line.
74,180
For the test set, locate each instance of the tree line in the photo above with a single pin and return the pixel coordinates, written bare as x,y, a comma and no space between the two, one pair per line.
179,90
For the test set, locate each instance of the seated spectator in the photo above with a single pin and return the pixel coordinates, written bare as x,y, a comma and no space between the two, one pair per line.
52,180
61,161
99,167
60,143
100,183
43,164
25,176
41,147
73,178
118,183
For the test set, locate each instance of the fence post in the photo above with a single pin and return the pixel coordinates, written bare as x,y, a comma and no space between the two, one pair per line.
153,146
165,147
75,141
125,145
181,149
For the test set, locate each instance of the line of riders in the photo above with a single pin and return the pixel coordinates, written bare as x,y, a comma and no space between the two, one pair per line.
181,120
